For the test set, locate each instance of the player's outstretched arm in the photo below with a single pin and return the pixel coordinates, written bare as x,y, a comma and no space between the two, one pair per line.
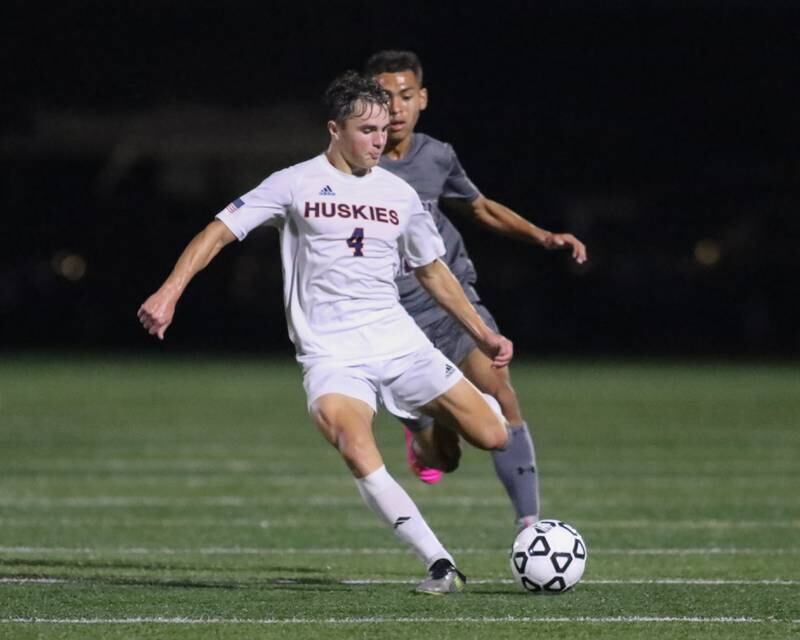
158,310
501,219
439,281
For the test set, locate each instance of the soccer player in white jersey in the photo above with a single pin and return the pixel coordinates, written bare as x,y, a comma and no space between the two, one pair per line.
433,169
344,225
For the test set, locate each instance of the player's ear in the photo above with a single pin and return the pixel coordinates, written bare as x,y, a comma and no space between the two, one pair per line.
333,129
423,99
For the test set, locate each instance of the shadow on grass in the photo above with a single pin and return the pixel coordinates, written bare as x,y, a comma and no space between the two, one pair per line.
141,566
189,583
50,570
500,592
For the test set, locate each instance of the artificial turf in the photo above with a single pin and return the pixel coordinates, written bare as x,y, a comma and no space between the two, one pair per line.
192,498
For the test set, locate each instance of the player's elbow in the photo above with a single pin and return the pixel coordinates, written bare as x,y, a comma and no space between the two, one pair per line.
482,210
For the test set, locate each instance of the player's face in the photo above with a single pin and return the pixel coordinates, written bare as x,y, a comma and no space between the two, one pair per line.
361,139
408,99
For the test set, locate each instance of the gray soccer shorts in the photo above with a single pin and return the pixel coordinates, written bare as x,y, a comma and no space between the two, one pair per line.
455,343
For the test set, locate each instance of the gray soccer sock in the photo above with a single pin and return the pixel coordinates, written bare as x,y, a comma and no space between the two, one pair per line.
516,467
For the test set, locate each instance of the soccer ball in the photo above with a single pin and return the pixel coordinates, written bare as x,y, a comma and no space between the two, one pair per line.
549,556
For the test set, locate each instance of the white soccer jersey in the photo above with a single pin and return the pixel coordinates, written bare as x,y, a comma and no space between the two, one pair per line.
340,236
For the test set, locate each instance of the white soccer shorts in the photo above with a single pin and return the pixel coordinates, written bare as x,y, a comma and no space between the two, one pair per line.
403,384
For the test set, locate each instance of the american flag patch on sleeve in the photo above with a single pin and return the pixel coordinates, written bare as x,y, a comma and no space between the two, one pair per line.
233,206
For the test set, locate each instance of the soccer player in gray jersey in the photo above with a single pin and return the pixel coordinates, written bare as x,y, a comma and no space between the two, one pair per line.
433,169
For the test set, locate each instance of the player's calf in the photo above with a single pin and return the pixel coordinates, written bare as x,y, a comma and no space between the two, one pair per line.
428,475
437,447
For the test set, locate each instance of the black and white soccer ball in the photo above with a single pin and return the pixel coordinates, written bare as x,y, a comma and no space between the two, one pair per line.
549,556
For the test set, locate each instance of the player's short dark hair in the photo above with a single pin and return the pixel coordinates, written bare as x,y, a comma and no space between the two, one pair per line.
392,61
352,94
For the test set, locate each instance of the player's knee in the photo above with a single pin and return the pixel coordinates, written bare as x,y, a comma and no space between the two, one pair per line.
499,437
351,441
325,423
493,434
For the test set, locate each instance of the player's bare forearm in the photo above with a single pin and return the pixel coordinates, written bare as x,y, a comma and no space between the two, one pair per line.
500,219
157,312
198,254
437,279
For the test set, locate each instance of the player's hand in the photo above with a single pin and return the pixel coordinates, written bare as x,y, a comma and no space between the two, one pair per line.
567,241
157,312
499,348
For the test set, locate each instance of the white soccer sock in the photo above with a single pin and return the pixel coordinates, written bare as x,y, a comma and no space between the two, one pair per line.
494,405
394,506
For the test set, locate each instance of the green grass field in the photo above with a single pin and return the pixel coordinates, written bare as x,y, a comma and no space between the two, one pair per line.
193,499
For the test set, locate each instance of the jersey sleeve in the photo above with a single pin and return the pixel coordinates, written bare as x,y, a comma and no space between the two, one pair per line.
457,184
265,205
420,243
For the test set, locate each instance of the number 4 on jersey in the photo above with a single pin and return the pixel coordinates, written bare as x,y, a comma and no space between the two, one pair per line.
356,241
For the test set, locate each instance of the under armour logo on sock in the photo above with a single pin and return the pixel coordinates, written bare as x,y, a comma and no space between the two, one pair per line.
401,520
521,470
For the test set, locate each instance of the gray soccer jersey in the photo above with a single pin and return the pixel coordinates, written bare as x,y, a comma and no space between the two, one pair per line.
433,169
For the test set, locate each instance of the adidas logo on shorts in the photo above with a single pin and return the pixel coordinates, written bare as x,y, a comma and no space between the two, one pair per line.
448,370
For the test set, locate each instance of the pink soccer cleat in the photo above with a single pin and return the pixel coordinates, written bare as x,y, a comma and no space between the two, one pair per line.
427,474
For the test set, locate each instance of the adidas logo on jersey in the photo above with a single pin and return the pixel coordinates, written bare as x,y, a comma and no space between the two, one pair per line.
327,191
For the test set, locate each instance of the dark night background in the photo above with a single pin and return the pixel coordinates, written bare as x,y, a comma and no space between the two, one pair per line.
664,135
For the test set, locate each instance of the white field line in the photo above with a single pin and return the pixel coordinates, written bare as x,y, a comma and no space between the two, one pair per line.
293,501
33,580
395,620
711,582
289,522
399,581
378,551
254,456
284,473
